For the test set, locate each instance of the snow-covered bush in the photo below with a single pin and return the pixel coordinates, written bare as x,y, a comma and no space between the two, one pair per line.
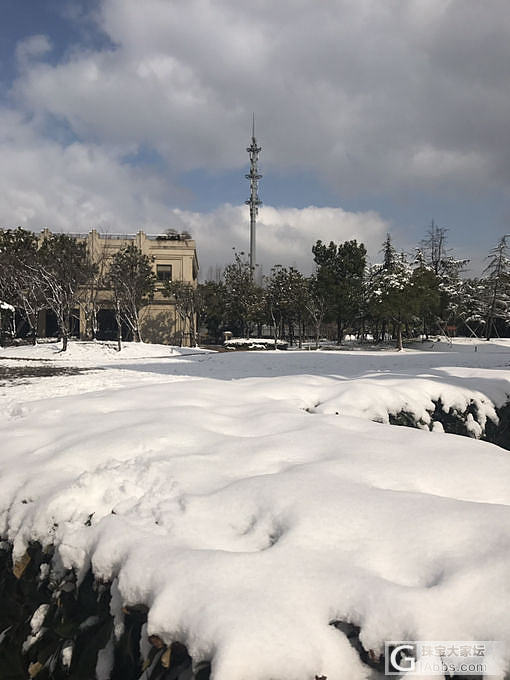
254,343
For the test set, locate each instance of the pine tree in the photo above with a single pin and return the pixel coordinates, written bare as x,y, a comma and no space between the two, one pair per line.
497,284
446,267
470,305
392,289
340,271
426,293
211,307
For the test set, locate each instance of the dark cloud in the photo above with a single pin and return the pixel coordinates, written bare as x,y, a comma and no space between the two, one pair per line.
373,94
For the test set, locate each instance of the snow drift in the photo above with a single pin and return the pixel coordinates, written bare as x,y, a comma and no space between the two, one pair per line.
248,525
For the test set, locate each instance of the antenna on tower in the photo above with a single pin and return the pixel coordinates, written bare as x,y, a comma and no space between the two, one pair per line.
254,202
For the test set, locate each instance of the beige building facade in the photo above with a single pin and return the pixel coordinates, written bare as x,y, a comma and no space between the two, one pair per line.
173,257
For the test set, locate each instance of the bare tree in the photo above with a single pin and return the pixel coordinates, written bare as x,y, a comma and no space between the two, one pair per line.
63,268
19,280
186,298
243,300
316,307
132,282
434,247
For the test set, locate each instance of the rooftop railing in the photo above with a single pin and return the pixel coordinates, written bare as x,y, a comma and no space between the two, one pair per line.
131,237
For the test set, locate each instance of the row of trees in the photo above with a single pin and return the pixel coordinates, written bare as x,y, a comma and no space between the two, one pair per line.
425,293
58,274
401,295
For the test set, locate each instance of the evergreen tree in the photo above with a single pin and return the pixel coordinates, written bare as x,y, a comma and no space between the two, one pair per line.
470,306
211,307
426,293
392,290
340,271
497,284
447,268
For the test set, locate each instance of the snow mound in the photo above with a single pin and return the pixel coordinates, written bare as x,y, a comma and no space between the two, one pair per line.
379,398
254,343
96,351
248,526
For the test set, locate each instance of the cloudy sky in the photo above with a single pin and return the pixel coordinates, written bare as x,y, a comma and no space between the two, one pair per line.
373,116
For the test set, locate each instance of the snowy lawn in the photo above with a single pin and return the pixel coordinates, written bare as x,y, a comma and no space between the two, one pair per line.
249,500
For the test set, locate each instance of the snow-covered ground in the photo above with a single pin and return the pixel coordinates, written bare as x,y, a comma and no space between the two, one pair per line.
250,500
93,353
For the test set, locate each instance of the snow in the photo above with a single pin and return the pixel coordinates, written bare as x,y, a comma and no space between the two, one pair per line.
82,353
377,398
105,661
6,306
67,655
226,494
38,617
36,626
254,343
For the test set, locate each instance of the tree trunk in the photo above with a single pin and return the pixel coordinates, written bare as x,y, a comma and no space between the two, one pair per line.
94,323
64,331
119,332
193,331
275,330
489,328
32,324
399,337
33,333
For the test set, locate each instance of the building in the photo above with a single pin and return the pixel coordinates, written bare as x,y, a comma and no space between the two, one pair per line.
173,257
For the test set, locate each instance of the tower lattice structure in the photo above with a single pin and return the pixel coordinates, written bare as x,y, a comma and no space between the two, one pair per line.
254,202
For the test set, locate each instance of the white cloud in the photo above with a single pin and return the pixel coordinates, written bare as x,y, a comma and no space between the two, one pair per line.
284,235
73,187
80,186
370,98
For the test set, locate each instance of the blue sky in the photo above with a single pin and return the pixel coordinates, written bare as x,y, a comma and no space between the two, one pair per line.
65,23
372,116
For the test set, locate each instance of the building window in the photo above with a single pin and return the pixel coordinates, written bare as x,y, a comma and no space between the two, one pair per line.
164,272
